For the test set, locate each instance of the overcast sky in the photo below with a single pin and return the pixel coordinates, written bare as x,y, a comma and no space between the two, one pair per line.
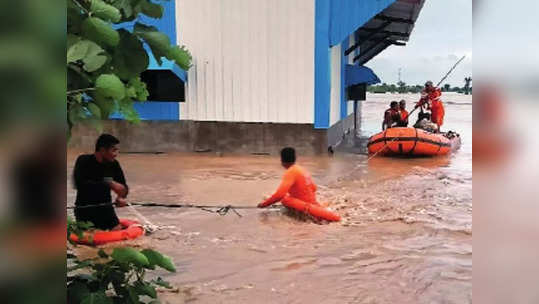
442,34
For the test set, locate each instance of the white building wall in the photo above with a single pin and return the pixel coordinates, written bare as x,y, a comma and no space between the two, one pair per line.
253,60
335,96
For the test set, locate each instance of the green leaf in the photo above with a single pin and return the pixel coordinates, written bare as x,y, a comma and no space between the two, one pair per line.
129,58
92,64
156,258
133,294
130,255
105,11
77,51
100,31
94,58
181,56
162,283
159,43
145,289
125,6
94,109
141,92
110,86
76,291
105,104
131,92
125,107
151,9
97,298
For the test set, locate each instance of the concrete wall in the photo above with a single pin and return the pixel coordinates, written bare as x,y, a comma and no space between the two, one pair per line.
253,60
206,136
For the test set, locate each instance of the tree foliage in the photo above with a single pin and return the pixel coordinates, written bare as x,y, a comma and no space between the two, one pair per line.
118,277
104,60
402,87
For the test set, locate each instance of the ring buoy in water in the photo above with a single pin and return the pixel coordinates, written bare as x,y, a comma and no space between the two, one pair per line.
312,209
132,230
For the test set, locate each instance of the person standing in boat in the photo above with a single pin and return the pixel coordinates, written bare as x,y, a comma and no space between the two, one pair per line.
297,183
431,97
95,176
403,121
391,116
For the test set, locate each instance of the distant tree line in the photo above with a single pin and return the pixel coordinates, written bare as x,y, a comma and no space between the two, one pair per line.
402,87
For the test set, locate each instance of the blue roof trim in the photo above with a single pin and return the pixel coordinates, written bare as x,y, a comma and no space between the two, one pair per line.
346,16
356,74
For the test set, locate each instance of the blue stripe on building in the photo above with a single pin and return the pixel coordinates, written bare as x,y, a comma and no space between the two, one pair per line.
322,73
154,110
334,22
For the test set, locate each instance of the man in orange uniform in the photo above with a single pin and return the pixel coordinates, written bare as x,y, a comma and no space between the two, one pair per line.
431,96
403,122
296,185
391,116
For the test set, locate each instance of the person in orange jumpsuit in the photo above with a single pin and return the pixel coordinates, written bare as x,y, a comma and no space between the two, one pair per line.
297,183
391,116
403,122
431,97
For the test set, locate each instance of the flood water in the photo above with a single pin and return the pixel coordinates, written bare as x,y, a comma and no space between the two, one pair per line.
405,237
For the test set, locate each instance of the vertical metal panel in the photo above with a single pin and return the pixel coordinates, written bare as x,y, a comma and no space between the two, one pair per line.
343,111
254,59
335,99
322,83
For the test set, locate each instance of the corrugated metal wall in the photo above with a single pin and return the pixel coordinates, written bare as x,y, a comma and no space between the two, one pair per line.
253,60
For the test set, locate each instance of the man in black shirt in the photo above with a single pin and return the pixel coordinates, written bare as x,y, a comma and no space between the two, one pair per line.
95,175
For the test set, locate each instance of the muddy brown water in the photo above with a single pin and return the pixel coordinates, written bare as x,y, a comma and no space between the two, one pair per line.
405,237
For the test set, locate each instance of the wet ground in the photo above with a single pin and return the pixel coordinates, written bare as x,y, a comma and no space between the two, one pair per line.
405,237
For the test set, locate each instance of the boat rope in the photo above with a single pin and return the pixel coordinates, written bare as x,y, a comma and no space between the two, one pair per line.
382,149
148,226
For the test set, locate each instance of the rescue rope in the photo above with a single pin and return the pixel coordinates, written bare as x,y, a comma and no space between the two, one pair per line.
219,209
387,143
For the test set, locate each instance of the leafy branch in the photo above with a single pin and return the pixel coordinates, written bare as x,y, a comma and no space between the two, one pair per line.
104,62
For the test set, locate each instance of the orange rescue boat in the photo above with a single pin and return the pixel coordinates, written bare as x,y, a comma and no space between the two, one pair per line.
413,142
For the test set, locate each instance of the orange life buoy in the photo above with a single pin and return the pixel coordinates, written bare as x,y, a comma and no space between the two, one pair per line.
132,230
312,209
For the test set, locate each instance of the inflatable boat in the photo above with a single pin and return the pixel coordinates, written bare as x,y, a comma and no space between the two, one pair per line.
413,142
132,230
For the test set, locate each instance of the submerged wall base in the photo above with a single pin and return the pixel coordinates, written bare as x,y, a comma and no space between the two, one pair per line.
206,136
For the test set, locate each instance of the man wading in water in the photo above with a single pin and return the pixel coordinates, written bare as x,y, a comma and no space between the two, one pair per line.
94,176
296,185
